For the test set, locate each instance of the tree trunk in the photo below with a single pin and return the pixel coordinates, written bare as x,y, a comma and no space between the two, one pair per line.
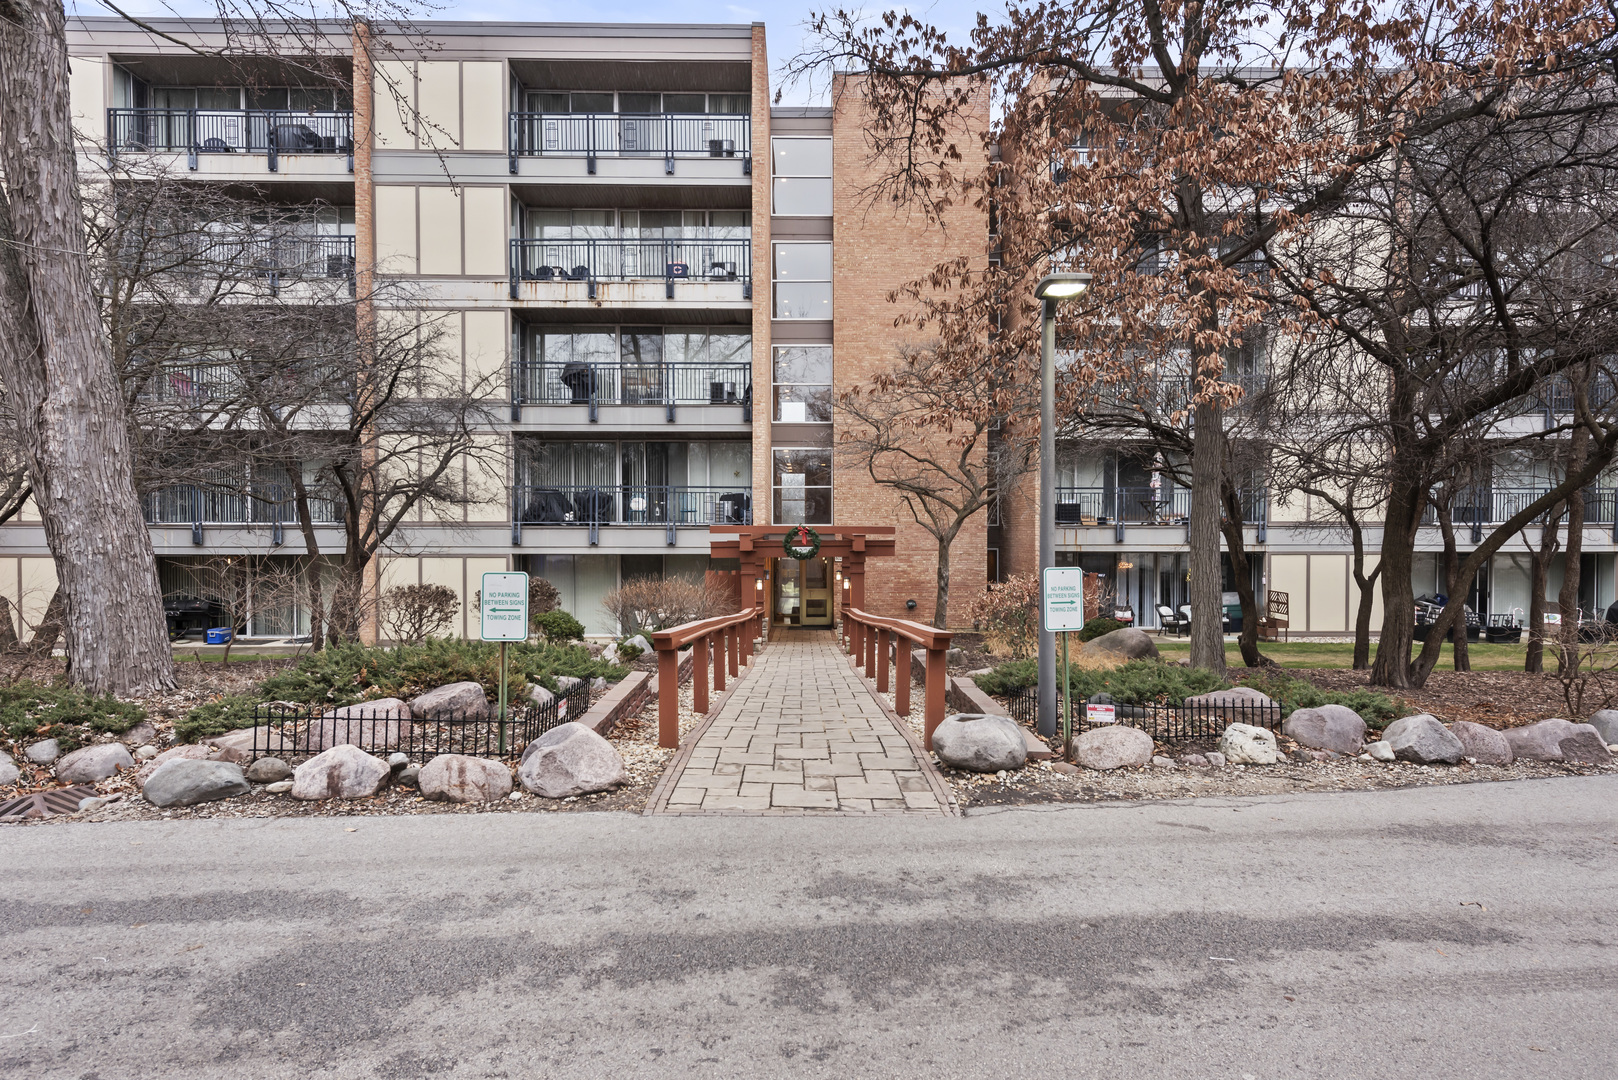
1207,578
8,628
1362,616
49,629
1567,600
941,602
1243,572
1392,666
1539,571
55,363
1452,587
311,546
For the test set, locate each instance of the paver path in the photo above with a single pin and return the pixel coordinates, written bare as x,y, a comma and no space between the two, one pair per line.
802,733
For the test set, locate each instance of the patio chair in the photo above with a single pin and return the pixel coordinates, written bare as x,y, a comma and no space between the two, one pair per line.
1167,620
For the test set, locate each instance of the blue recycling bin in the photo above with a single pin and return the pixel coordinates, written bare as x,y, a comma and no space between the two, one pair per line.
219,635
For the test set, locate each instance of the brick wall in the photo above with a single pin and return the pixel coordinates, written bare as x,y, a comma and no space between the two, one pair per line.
878,247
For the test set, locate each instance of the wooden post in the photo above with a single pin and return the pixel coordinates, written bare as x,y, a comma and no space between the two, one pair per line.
934,714
721,646
668,698
901,675
747,629
855,651
699,674
870,650
733,641
883,637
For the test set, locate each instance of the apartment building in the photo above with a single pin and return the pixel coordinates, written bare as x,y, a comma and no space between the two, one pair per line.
661,280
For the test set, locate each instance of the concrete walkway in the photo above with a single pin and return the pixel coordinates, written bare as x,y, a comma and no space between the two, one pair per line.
801,733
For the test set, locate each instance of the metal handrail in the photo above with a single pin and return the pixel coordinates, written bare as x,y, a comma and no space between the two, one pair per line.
592,135
228,504
226,131
667,260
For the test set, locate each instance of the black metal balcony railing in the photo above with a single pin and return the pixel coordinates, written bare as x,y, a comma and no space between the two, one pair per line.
201,505
1121,506
576,382
669,261
230,131
1487,507
645,135
592,506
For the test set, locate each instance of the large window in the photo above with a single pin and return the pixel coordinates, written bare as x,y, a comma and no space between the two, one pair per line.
801,183
550,101
802,487
803,384
638,225
801,274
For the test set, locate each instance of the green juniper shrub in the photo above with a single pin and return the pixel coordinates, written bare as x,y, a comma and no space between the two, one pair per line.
217,717
30,710
1094,628
628,653
1139,682
1377,709
559,627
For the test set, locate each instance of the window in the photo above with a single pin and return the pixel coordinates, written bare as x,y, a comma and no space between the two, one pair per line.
802,483
802,177
557,101
803,384
802,279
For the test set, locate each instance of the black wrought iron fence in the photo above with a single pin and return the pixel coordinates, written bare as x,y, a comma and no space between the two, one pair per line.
293,732
1164,723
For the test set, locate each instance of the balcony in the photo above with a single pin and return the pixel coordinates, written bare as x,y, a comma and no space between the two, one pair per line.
198,132
1121,506
630,135
199,506
586,262
1485,508
664,506
577,382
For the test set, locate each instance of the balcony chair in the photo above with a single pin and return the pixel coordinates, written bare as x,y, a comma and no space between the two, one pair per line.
594,507
579,378
216,145
547,506
578,273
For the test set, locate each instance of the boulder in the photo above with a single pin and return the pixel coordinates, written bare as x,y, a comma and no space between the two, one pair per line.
397,761
42,752
139,735
1558,740
1239,703
1112,747
954,657
1484,745
1162,762
1125,643
188,781
375,724
1423,740
268,770
253,740
457,701
1606,724
1215,758
1244,744
8,769
540,696
146,753
1329,727
610,654
93,763
640,642
190,752
280,787
980,742
565,683
1380,751
462,779
343,772
409,775
570,760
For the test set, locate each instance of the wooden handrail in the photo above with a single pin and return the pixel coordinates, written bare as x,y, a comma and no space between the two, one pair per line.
869,638
734,651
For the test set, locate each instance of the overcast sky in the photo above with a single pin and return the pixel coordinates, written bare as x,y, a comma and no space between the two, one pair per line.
785,22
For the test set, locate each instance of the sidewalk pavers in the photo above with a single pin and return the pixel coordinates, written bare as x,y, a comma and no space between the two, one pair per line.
800,733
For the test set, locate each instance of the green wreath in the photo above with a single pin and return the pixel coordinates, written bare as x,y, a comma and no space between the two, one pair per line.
793,543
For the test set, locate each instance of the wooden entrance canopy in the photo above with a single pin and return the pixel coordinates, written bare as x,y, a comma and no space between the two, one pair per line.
753,545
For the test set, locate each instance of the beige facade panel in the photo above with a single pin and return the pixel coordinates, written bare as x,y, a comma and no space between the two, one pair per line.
1290,574
36,579
486,480
440,230
442,330
483,106
438,105
395,229
1328,593
87,96
475,569
485,224
450,573
487,340
394,97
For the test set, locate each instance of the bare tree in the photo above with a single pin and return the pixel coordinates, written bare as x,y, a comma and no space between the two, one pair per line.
944,444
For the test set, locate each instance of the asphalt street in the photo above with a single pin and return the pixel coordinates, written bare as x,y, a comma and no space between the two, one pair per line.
1465,931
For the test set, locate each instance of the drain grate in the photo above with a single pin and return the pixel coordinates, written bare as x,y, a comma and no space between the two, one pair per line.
45,803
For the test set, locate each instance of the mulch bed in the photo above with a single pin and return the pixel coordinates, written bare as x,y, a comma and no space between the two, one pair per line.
1494,698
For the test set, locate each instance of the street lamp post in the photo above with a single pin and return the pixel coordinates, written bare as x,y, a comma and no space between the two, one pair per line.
1050,291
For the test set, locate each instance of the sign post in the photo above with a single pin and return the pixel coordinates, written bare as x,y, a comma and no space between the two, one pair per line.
1061,603
503,617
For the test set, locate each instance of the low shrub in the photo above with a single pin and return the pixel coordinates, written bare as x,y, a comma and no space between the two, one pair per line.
216,717
1139,682
30,710
1375,708
627,652
643,604
1101,624
559,627
1008,614
412,613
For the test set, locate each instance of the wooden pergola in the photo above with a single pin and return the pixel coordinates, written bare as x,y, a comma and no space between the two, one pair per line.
753,545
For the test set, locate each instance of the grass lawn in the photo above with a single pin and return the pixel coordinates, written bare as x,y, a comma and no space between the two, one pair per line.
1321,654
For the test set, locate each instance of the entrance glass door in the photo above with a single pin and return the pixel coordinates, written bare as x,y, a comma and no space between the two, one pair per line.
803,593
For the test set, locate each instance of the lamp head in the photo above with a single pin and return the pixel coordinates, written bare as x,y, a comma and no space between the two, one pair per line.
1061,286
